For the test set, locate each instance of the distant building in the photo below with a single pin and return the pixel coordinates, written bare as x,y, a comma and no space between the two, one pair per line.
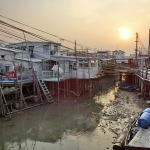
132,55
46,55
38,49
3,53
3,43
118,54
104,54
141,61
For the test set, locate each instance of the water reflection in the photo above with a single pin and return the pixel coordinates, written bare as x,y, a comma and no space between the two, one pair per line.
71,124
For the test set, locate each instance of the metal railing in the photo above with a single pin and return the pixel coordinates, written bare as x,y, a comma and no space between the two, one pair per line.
144,73
53,74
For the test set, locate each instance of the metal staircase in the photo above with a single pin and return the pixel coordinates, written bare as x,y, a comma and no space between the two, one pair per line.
46,91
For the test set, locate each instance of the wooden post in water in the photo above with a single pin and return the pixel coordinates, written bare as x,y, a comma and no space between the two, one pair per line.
136,49
89,78
58,79
16,86
149,49
64,81
77,81
1,104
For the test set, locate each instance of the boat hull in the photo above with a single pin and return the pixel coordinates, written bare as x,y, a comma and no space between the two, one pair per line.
127,87
136,148
127,145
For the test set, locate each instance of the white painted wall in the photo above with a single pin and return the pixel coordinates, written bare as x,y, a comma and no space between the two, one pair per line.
41,50
122,60
5,66
118,54
141,62
27,67
84,72
7,55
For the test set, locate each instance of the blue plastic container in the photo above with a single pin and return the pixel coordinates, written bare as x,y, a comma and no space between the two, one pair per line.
145,110
144,120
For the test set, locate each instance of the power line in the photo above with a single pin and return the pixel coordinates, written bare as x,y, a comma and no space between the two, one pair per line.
142,44
44,31
37,36
19,34
7,32
10,37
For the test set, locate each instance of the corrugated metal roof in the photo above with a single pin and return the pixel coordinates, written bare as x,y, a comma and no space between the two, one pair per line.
9,50
29,60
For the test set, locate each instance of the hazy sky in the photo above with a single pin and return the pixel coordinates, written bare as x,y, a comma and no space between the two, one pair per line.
93,23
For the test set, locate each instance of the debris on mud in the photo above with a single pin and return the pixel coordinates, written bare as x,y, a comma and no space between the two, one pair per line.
122,111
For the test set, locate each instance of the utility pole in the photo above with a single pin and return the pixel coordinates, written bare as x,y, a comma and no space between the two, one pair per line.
149,49
75,48
136,49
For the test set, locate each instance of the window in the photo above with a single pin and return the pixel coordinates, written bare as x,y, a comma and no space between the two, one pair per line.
55,47
52,52
47,66
83,64
2,56
71,67
23,48
93,64
45,48
74,66
7,68
31,49
86,65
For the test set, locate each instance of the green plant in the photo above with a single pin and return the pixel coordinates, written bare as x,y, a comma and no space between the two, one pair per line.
20,69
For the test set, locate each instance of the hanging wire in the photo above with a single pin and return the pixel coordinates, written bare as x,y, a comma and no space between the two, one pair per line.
18,33
143,47
60,38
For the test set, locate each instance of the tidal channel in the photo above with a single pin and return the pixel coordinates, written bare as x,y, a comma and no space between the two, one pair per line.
75,123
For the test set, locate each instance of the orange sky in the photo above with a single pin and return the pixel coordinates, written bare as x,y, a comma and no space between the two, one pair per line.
93,23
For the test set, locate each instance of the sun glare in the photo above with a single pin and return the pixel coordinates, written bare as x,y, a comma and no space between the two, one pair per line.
125,33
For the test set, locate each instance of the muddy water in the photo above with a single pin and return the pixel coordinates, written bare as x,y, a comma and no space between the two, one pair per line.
73,124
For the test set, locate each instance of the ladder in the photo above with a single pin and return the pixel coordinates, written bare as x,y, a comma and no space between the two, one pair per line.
3,103
45,91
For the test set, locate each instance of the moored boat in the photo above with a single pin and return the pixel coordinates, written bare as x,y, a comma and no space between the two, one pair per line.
138,135
127,87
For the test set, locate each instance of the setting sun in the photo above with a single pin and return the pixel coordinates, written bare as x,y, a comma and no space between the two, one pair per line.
125,33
